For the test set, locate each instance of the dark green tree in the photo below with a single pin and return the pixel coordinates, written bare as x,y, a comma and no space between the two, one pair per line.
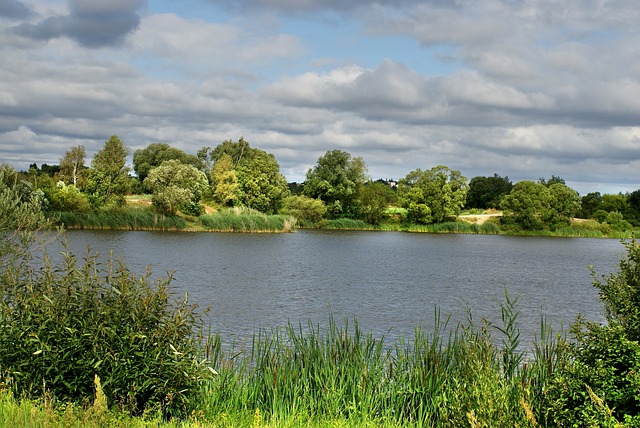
335,180
433,196
552,180
486,192
144,160
590,203
108,181
374,198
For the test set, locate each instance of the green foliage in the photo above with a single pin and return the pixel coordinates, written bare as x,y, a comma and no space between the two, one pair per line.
176,186
121,219
620,292
600,377
486,192
335,180
108,179
447,378
152,156
63,324
308,211
21,207
72,169
245,176
224,182
246,220
373,200
344,223
535,206
67,198
432,196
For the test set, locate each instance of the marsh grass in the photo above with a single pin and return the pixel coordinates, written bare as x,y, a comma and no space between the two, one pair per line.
124,219
445,378
487,228
346,224
245,220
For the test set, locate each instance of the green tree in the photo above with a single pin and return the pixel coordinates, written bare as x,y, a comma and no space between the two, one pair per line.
551,181
486,192
72,166
335,180
534,206
564,204
590,203
108,181
144,160
176,186
224,182
374,198
434,195
260,185
306,210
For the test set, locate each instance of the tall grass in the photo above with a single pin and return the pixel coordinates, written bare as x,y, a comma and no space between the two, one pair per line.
346,224
487,228
449,378
243,220
128,219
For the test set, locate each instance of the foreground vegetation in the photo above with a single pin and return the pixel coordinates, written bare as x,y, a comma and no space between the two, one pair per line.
87,342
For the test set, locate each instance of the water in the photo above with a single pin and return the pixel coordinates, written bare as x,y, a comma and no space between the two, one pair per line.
391,282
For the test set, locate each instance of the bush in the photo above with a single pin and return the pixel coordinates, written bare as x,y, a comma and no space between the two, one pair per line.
61,325
598,382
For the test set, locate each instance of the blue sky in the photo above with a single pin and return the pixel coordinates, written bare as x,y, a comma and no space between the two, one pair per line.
525,89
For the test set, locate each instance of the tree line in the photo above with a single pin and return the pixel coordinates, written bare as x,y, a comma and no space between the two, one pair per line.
234,174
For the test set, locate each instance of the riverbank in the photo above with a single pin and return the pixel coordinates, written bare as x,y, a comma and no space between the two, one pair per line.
139,215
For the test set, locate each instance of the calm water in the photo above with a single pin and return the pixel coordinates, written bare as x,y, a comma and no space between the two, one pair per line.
390,281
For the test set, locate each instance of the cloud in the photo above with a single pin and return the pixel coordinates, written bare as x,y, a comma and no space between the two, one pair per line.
90,23
14,9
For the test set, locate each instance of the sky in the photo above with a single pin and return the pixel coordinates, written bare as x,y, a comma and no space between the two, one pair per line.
519,88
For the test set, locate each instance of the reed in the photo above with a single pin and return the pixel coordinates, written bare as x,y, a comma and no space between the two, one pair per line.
125,219
237,220
444,378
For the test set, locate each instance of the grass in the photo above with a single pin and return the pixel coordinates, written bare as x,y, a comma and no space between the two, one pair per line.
244,220
124,219
308,376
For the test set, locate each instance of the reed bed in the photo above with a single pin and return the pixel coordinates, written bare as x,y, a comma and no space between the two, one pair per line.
451,377
487,228
236,220
347,224
125,219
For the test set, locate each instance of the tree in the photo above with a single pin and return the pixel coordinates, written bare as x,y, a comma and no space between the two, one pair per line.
71,165
486,192
433,196
373,200
224,181
306,210
108,180
144,160
552,180
260,185
176,186
590,203
534,206
335,180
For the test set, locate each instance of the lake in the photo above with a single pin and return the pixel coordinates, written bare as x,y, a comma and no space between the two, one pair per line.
391,282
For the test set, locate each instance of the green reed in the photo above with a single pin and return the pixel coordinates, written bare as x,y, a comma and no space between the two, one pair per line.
233,220
454,376
127,219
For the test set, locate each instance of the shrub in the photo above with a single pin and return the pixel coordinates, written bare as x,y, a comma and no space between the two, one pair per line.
61,325
598,383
